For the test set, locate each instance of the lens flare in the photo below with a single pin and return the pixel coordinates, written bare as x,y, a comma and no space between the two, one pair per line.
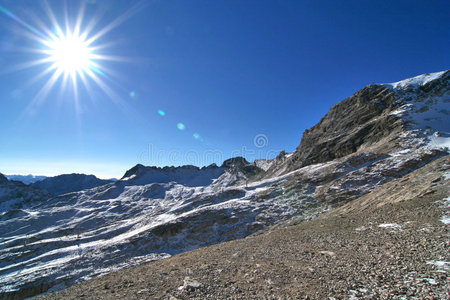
181,126
161,113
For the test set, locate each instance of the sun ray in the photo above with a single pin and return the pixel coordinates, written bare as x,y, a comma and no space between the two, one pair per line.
119,20
76,102
63,86
43,92
77,29
66,17
25,65
37,78
52,18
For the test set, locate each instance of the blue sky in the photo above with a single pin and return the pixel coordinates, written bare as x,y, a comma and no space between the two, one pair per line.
229,71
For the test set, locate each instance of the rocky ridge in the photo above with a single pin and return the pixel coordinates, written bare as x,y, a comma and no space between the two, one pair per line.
68,183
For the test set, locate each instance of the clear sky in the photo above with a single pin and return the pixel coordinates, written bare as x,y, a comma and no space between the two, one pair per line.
194,82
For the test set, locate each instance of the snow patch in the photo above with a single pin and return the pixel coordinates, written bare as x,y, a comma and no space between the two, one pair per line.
439,141
264,164
445,220
390,225
447,175
416,81
431,281
445,203
362,228
442,266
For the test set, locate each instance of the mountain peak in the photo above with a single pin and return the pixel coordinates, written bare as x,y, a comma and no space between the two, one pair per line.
382,117
3,178
417,81
237,161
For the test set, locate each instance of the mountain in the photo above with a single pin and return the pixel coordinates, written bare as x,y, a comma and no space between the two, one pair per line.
186,175
381,134
3,179
27,179
67,183
16,197
392,243
380,118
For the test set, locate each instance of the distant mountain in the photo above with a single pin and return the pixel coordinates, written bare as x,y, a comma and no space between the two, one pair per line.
27,179
15,196
382,133
185,175
68,183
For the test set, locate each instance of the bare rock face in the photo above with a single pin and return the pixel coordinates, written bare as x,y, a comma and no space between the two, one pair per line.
377,113
361,119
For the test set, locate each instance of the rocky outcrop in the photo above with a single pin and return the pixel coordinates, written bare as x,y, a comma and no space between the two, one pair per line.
361,119
377,114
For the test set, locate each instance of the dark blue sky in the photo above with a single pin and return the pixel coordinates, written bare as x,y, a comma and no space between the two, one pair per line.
227,70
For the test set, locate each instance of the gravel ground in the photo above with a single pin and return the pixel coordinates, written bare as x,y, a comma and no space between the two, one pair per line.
343,254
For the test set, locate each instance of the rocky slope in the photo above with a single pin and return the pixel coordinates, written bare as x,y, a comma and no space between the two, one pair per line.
68,183
377,136
376,118
391,243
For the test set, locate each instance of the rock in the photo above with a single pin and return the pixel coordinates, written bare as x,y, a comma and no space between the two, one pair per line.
330,253
191,284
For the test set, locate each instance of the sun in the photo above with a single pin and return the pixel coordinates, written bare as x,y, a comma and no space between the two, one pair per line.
70,54
71,49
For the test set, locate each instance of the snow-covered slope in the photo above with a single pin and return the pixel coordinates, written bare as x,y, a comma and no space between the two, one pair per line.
14,195
416,82
152,213
80,235
424,105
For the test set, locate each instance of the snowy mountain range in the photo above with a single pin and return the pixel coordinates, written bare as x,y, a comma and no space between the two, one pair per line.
381,133
27,179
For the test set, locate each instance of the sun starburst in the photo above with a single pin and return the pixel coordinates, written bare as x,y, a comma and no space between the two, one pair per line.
70,52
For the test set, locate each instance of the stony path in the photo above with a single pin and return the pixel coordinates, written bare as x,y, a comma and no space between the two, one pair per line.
389,244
